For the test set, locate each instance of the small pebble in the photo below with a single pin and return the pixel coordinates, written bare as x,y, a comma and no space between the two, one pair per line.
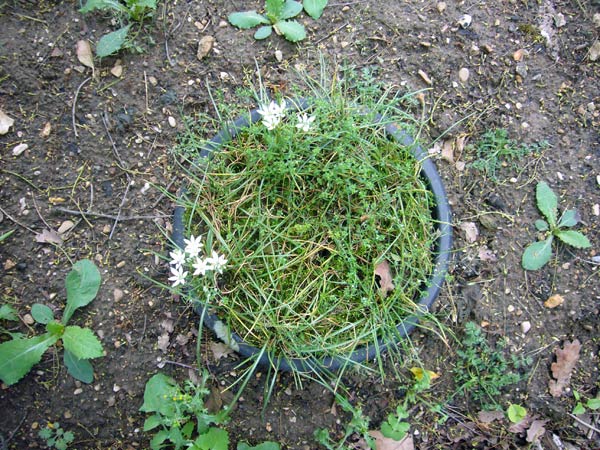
19,149
116,388
279,55
35,425
172,121
441,7
28,319
463,74
345,8
425,77
596,209
118,294
68,414
594,52
121,264
596,20
465,21
510,308
223,24
525,326
153,81
77,391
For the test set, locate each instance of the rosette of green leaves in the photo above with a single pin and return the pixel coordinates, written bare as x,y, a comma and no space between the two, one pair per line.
536,255
278,16
19,355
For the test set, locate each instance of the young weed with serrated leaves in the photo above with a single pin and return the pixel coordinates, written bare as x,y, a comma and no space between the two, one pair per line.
55,437
536,255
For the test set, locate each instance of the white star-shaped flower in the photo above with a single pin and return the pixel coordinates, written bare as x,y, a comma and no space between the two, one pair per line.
272,114
304,122
200,267
216,262
177,257
178,275
193,245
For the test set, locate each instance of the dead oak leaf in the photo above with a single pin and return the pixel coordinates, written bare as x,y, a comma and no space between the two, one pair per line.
471,231
536,430
49,237
84,53
163,342
566,358
384,272
219,350
489,416
384,443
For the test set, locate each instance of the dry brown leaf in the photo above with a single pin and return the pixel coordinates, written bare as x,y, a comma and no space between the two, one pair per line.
383,443
471,231
117,69
554,301
566,358
219,350
384,272
485,254
489,416
536,430
448,151
205,45
167,325
48,237
163,342
84,53
46,130
521,426
65,226
5,122
214,401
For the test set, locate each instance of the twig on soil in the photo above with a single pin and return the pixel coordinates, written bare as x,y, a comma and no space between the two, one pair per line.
175,363
332,33
143,331
110,216
37,210
75,104
16,221
146,88
585,424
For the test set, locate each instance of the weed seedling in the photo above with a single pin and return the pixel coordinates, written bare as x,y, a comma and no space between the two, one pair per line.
19,355
278,15
515,413
591,403
127,13
536,255
56,437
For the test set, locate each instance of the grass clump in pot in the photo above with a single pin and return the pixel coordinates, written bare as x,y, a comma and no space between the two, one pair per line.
322,224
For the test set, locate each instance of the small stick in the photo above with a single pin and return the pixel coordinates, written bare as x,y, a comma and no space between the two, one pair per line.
585,424
143,331
16,221
332,33
175,363
109,216
146,87
75,105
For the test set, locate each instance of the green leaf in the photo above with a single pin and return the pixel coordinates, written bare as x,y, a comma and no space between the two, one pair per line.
214,439
536,255
112,42
247,19
314,8
42,313
91,5
547,202
516,413
273,9
397,432
573,238
152,422
157,394
292,30
55,328
82,285
80,369
541,225
82,342
7,312
263,32
18,356
290,9
569,218
579,409
593,403
6,235
268,445
158,439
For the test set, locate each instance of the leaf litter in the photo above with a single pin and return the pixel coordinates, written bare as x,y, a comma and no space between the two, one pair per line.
384,272
566,358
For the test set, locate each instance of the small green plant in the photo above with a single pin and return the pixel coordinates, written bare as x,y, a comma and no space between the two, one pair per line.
515,413
277,16
536,255
359,424
6,235
482,372
395,427
180,418
591,403
127,13
19,355
495,149
56,437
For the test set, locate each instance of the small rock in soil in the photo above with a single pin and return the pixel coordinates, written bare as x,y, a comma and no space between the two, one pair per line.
596,20
495,201
278,55
554,301
525,326
463,74
28,319
118,294
559,20
153,81
521,70
19,149
5,122
594,52
441,7
425,77
205,45
465,21
172,121
117,69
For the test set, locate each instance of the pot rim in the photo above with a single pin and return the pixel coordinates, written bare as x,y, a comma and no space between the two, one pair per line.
441,214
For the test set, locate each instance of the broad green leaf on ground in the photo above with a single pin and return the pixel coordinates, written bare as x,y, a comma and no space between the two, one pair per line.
7,312
213,439
516,413
263,32
82,285
273,8
112,42
157,387
264,446
536,255
593,403
547,202
290,9
18,356
152,422
82,342
573,238
383,443
41,313
91,5
292,30
158,439
541,225
247,19
314,8
80,369
569,218
396,431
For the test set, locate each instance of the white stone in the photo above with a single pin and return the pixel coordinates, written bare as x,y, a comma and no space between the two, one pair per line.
525,326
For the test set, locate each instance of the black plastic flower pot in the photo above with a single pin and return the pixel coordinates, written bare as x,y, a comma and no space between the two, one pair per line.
440,253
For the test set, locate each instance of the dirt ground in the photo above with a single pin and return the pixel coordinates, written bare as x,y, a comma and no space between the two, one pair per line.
99,148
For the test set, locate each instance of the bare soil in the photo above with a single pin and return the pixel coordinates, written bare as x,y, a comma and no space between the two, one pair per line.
107,156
